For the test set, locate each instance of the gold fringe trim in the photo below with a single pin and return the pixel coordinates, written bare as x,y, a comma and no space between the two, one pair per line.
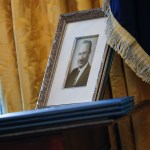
127,46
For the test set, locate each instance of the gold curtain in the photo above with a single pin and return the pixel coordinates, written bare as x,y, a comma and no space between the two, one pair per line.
24,46
27,30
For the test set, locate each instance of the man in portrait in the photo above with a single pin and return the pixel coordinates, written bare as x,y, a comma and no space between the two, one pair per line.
79,76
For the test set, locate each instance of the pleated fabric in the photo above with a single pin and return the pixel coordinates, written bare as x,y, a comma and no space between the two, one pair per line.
9,78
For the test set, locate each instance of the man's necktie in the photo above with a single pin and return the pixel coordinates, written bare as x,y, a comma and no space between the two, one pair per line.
75,79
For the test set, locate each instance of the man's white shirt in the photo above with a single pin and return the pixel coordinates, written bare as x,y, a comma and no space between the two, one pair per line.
80,72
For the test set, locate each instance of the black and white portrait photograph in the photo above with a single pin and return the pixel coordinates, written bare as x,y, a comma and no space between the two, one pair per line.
81,61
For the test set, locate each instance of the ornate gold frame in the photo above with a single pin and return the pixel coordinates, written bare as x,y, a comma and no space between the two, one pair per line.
55,52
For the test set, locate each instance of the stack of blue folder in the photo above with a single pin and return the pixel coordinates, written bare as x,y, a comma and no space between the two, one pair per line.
62,115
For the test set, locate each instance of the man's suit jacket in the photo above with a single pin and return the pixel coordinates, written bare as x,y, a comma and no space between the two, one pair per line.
82,81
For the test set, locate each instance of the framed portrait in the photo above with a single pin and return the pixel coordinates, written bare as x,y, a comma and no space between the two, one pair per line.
79,60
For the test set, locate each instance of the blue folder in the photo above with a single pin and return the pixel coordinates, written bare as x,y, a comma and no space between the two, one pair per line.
65,115
69,107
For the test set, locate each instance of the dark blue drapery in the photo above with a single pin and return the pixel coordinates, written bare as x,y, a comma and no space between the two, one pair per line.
134,16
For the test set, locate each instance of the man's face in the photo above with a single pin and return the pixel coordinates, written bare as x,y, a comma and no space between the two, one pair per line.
83,55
